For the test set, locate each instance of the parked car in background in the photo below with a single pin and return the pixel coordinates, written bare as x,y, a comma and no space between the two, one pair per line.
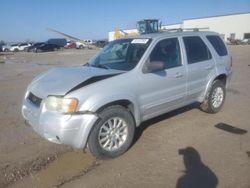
33,47
47,47
19,47
14,47
70,45
80,45
1,45
57,41
6,48
89,41
101,43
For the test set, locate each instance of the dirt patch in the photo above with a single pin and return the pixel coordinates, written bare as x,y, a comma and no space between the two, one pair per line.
12,173
64,168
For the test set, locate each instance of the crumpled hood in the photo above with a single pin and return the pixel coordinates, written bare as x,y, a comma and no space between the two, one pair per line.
59,81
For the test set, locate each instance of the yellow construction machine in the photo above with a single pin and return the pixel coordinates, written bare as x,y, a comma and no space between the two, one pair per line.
144,26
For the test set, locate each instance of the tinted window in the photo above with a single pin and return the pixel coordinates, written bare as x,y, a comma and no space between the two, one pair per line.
167,51
246,35
196,49
218,44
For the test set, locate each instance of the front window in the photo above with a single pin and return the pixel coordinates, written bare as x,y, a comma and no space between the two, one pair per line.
123,54
168,52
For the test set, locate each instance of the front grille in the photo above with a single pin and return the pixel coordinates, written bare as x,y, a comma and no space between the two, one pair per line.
34,99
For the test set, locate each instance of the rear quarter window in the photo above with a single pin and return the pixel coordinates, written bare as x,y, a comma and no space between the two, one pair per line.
218,44
196,49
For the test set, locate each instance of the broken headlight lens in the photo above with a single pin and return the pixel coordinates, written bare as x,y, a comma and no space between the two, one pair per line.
62,105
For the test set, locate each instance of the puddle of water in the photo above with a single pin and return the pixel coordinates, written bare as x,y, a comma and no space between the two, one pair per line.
230,128
66,167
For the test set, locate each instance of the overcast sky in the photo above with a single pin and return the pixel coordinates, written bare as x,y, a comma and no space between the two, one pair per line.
28,19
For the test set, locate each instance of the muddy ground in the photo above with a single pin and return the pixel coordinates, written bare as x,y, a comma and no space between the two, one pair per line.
184,148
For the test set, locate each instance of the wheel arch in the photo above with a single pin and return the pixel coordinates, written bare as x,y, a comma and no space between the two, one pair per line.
128,104
222,77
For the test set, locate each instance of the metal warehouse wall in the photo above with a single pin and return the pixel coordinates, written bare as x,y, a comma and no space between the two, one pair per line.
225,25
237,24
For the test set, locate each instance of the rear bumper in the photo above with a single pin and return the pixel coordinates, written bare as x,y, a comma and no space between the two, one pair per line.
72,130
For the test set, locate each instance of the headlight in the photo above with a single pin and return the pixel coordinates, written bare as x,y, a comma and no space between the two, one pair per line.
62,105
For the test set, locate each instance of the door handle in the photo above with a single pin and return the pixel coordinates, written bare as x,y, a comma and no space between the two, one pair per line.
178,75
208,67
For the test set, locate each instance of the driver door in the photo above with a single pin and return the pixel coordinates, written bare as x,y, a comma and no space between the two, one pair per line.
165,89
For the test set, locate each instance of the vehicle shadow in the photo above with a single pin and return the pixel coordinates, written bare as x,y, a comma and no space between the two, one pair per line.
196,174
148,123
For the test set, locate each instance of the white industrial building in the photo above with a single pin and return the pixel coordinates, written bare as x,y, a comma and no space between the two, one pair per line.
235,26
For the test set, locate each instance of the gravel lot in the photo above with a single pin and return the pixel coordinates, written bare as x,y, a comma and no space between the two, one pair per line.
183,148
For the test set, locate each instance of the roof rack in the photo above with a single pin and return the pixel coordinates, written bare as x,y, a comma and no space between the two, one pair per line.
187,29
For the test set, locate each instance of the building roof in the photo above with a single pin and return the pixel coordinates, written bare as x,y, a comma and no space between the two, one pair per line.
231,14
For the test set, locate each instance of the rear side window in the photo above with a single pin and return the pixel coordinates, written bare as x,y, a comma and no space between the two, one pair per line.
196,49
218,44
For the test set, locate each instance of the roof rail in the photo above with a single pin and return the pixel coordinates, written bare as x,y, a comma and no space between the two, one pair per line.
187,29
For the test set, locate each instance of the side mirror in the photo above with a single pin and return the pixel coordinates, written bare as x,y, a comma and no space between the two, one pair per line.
153,66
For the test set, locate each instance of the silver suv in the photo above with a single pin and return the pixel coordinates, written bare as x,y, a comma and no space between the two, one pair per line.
131,80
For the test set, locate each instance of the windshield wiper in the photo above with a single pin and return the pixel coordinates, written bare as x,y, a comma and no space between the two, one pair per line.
101,66
97,65
86,64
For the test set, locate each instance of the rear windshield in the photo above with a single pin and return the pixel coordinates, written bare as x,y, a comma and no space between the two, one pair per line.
218,44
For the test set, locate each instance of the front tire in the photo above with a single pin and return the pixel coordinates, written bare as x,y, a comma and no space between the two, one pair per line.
215,99
112,134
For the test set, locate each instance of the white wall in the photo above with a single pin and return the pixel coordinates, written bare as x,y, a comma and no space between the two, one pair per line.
225,25
238,24
172,26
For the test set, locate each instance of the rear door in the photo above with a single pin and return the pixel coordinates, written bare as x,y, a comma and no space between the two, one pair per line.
200,66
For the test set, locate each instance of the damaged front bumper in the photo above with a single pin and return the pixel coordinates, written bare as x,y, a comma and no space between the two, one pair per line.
69,129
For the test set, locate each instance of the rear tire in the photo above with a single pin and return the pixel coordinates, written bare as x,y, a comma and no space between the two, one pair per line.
112,134
215,98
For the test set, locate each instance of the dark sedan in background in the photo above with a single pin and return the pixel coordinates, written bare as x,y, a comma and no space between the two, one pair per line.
34,47
47,47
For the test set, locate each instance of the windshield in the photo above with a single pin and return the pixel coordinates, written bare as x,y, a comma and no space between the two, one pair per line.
123,54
